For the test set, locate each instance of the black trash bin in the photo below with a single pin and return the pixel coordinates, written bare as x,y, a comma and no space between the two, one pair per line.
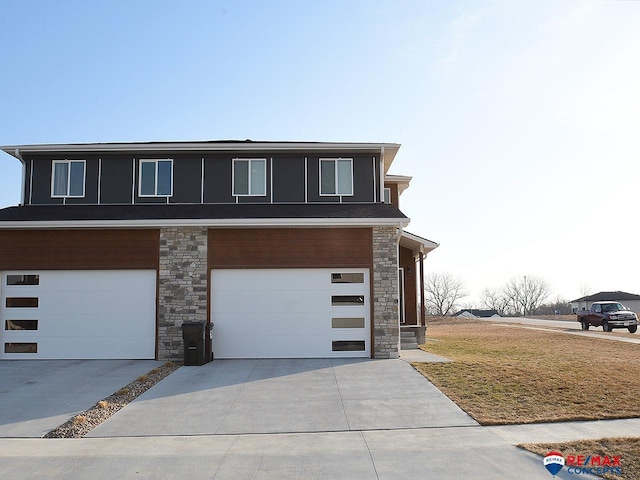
193,337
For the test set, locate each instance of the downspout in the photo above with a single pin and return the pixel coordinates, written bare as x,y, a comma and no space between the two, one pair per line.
381,186
18,155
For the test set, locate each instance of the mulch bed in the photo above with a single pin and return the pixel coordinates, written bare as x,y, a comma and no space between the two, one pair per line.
86,421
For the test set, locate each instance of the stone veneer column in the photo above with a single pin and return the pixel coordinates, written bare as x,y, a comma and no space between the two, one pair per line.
182,286
385,292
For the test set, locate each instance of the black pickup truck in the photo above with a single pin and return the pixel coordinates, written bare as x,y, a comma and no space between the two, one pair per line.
608,315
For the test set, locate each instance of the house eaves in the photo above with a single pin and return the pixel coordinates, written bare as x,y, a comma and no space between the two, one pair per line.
386,150
417,244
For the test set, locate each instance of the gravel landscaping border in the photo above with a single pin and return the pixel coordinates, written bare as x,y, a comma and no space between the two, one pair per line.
83,423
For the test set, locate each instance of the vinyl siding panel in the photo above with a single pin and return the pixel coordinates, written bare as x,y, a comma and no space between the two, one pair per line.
288,179
116,180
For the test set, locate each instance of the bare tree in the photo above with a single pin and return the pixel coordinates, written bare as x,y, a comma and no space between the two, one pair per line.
559,306
442,293
585,289
526,294
494,299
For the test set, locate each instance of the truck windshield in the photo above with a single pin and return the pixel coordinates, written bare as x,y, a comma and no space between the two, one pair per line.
612,307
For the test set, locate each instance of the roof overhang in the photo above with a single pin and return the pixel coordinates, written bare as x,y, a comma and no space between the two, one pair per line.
401,180
388,149
417,244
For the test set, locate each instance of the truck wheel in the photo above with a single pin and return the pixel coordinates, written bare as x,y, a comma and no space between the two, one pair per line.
605,327
585,325
633,329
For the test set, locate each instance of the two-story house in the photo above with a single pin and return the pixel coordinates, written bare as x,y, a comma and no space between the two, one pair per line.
285,249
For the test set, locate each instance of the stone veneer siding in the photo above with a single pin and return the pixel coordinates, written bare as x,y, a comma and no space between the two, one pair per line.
386,329
182,286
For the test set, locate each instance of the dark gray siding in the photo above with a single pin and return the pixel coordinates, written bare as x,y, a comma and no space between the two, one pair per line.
217,179
27,181
187,179
118,175
41,183
116,180
288,179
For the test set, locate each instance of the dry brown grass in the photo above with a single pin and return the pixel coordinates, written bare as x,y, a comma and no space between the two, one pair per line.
510,374
507,374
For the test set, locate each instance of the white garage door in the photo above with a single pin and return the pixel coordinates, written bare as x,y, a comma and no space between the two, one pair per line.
290,313
78,314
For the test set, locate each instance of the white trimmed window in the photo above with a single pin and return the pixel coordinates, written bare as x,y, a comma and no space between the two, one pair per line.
156,178
249,177
387,195
336,176
67,178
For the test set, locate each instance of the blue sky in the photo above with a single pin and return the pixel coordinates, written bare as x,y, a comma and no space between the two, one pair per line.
518,119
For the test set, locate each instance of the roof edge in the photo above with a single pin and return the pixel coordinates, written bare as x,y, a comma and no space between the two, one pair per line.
211,145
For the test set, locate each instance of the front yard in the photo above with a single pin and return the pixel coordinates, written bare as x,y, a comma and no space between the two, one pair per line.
507,374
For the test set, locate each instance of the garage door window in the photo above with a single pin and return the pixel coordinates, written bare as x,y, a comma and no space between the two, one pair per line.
347,323
22,302
23,280
347,345
20,348
21,325
347,278
340,300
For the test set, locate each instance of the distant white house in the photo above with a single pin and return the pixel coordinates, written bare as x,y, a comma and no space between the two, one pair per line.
476,313
629,300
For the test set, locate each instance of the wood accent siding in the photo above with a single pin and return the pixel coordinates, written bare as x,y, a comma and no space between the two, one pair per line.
290,248
78,249
408,262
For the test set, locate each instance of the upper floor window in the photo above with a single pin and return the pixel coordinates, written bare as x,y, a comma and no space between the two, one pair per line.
387,195
336,176
250,177
156,178
67,178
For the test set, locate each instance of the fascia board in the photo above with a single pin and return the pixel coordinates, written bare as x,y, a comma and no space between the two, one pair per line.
234,222
390,148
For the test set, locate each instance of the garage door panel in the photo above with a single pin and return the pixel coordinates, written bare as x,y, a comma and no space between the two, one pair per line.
114,347
284,313
99,325
236,324
92,302
261,302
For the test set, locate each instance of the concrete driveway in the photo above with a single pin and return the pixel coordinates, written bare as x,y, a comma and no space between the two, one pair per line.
286,396
389,423
38,395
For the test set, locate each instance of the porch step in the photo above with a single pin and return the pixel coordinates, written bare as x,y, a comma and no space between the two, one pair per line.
408,341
